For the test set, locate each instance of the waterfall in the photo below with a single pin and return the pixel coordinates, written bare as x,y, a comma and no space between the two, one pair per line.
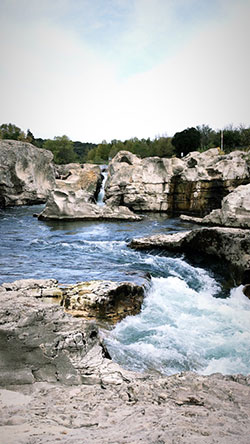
102,190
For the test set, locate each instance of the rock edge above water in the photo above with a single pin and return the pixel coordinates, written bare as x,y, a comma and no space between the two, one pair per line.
229,244
58,384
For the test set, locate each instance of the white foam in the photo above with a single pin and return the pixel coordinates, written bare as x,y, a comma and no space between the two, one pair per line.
181,328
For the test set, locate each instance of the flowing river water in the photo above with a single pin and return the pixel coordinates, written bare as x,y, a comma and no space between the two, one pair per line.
189,319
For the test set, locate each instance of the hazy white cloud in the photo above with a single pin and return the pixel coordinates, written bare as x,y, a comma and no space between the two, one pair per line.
67,67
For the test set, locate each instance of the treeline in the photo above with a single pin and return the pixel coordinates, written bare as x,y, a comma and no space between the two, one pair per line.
200,138
64,149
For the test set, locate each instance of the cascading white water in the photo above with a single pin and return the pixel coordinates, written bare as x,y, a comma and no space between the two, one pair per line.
181,328
102,190
186,323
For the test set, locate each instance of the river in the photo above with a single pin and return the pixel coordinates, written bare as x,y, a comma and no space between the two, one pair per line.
189,319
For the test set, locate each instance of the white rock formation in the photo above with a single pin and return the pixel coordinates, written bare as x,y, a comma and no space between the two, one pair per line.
235,210
74,197
26,173
194,185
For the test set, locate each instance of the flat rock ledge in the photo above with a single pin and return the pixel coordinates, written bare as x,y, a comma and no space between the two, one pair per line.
100,300
230,244
57,383
89,211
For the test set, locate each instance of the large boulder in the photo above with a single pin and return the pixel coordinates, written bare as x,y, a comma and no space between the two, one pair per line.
193,185
74,177
26,173
140,184
235,210
103,300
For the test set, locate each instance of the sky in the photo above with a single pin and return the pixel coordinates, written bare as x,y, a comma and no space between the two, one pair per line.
115,69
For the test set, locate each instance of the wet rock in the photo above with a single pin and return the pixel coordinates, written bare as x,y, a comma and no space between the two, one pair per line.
246,291
229,244
26,173
246,277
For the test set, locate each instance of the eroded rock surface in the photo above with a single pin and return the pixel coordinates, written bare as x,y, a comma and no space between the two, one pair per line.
26,173
40,342
235,210
193,185
104,300
72,207
229,244
58,384
75,194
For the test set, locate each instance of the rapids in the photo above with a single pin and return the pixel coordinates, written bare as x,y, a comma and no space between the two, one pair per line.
189,320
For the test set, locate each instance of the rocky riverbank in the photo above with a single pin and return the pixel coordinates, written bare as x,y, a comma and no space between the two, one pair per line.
232,245
59,384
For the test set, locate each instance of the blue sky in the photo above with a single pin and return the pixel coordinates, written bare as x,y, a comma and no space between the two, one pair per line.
115,69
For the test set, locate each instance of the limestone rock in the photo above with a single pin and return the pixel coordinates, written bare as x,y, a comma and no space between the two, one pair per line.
229,244
140,184
26,173
103,300
57,383
80,177
78,185
193,185
235,210
180,409
72,206
75,194
40,342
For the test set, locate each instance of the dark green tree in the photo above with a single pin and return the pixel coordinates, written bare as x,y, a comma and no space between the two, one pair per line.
186,141
62,148
11,131
207,137
30,137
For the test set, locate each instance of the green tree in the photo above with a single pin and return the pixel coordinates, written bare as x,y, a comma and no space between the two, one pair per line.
186,141
231,139
30,137
162,147
62,148
207,137
244,137
11,131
